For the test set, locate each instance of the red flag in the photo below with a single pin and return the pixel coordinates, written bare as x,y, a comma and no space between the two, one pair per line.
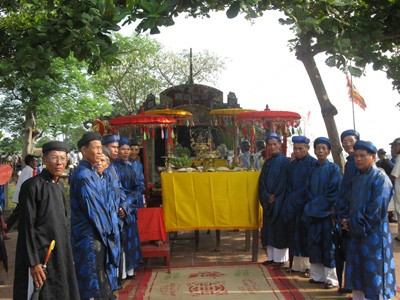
354,95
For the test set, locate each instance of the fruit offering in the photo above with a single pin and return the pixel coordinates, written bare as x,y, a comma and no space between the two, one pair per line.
180,162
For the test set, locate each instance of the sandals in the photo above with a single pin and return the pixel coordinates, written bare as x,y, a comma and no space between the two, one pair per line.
307,273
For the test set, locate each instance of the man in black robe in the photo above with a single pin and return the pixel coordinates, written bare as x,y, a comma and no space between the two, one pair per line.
43,218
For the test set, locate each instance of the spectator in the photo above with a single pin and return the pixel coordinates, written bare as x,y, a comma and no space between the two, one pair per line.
26,173
395,176
386,165
384,162
259,156
245,155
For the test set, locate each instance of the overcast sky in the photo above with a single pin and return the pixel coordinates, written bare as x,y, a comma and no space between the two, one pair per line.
261,70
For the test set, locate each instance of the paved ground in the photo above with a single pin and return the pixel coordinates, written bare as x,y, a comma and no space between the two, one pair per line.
183,254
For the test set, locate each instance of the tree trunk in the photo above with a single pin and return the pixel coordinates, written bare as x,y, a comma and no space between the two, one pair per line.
328,110
31,132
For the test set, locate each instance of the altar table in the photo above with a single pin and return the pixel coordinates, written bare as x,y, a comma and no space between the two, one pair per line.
212,200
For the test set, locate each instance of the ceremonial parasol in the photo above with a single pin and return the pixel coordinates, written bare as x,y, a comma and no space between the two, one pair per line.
147,124
277,121
227,117
5,174
181,116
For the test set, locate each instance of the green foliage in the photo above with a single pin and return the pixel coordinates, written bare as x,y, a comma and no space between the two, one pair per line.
35,31
226,136
351,33
9,145
56,103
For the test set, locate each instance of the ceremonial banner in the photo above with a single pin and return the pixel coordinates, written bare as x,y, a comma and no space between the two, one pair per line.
354,94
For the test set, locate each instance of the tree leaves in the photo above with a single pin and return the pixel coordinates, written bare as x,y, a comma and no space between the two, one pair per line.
233,10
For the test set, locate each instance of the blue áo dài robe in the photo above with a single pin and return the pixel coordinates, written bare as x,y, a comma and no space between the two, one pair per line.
131,245
299,172
139,181
93,224
116,191
318,213
350,171
273,181
370,265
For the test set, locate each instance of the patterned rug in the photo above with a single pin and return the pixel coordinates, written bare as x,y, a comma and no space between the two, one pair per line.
252,281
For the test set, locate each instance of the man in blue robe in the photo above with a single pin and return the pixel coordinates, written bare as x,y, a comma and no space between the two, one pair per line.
322,196
272,189
348,138
132,255
110,142
138,168
95,234
370,269
101,166
299,172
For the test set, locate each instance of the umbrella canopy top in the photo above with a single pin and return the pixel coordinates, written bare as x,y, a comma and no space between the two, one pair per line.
269,115
229,111
226,116
178,114
143,119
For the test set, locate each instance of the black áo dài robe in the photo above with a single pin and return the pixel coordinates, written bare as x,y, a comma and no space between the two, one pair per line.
43,218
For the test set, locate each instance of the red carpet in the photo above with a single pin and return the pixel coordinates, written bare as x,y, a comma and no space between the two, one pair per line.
252,281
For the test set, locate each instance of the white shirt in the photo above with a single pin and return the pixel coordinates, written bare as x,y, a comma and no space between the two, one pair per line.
26,173
396,173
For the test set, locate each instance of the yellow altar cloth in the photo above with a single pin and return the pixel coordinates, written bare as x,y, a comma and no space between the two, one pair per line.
210,200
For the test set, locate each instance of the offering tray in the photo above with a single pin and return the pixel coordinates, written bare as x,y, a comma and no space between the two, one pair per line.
209,160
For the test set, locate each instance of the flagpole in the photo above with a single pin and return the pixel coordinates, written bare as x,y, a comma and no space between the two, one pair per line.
354,96
352,102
